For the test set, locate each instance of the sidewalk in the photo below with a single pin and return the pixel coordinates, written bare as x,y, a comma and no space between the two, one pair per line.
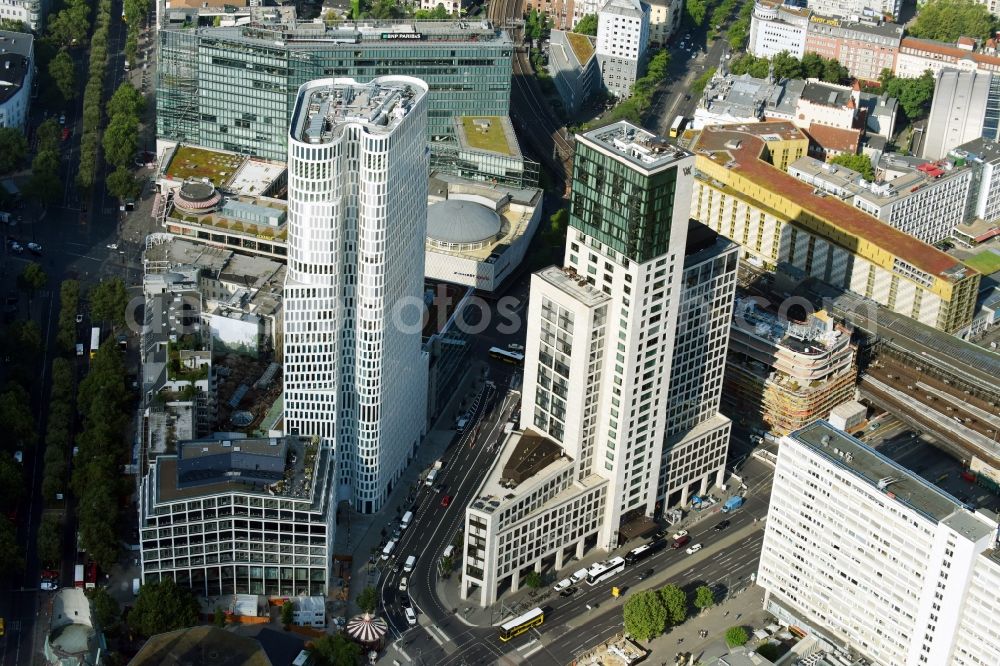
360,535
743,609
470,612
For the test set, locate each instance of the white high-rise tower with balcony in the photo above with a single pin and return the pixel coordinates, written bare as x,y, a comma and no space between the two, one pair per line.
355,375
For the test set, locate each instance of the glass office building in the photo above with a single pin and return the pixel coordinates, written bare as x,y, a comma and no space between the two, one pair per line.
234,88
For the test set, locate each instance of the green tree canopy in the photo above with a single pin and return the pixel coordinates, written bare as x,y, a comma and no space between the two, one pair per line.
13,148
122,184
703,597
106,609
15,414
49,541
120,139
645,615
32,278
914,95
63,73
787,66
48,135
368,599
859,163
736,636
533,580
11,557
45,187
695,12
11,481
126,101
675,601
163,606
947,20
108,301
587,25
335,650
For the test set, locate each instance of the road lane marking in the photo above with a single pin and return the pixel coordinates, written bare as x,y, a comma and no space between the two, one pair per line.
528,645
433,635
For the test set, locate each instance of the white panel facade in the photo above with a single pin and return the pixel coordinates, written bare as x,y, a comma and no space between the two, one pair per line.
355,374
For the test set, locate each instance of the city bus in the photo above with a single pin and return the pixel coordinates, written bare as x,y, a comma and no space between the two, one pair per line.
603,571
521,624
507,356
644,551
95,341
677,127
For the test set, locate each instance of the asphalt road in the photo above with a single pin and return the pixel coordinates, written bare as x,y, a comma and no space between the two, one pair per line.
686,65
74,247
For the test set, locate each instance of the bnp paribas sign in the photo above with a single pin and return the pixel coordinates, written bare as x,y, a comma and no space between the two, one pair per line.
408,36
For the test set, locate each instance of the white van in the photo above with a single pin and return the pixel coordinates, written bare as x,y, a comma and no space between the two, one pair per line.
407,517
429,481
579,576
411,561
389,547
447,552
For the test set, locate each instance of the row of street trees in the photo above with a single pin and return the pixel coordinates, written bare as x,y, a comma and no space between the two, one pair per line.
102,402
134,12
92,96
636,106
22,345
650,612
121,138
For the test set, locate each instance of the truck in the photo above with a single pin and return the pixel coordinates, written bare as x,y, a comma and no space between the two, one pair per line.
431,476
78,576
732,504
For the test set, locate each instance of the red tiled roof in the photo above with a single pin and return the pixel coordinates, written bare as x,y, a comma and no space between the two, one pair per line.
836,213
941,48
834,138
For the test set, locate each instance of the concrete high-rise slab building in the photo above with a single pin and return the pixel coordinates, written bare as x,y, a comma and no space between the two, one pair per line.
603,437
355,375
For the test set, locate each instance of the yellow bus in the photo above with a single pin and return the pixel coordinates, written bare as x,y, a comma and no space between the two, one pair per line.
521,624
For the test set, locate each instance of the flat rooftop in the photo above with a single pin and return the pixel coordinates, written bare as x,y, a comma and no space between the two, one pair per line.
195,162
873,468
825,94
496,490
494,134
391,34
634,146
573,284
271,466
741,147
582,46
324,106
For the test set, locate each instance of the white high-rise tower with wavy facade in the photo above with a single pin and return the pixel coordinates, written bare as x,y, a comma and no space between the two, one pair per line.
355,374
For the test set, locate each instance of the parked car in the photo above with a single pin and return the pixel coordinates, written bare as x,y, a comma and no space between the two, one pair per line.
677,535
34,248
568,592
515,347
17,247
693,549
562,585
411,617
402,584
721,525
79,318
66,133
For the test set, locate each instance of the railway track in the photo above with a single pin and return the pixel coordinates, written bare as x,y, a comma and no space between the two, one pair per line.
530,112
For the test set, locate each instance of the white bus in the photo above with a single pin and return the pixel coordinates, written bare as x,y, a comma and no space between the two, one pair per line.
676,127
95,341
507,356
603,571
521,624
